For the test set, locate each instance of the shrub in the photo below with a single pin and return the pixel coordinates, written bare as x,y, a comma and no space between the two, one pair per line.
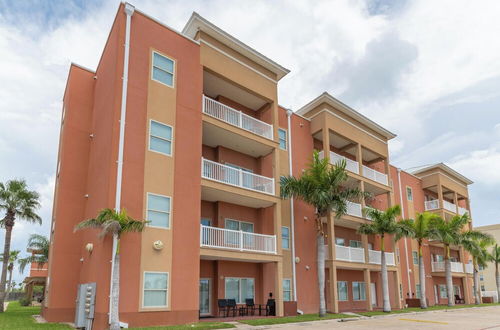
24,301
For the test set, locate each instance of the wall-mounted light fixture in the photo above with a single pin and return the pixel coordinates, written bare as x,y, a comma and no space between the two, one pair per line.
89,247
158,245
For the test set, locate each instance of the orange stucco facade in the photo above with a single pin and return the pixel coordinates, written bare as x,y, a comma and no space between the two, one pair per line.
227,234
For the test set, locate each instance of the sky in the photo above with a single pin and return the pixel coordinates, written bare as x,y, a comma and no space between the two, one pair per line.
428,71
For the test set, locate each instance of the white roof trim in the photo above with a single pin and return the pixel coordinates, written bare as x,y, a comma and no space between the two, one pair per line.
445,168
327,98
196,23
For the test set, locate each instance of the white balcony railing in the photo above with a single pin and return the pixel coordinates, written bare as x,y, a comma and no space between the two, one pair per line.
374,175
236,118
351,254
456,267
432,205
351,165
449,206
462,211
236,177
228,239
469,268
354,209
375,257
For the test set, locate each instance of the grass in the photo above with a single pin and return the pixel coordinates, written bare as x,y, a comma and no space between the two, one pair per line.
418,309
18,317
198,326
294,319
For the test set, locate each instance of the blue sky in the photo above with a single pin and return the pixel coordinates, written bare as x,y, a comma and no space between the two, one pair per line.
428,71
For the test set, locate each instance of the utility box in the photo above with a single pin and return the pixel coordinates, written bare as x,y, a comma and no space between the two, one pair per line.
85,305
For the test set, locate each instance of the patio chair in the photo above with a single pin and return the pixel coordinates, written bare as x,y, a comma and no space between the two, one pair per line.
459,300
250,306
222,306
271,307
231,306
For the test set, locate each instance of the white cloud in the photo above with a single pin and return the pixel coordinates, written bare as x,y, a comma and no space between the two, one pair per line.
480,165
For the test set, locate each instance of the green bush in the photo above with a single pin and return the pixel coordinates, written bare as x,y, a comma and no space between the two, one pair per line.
24,301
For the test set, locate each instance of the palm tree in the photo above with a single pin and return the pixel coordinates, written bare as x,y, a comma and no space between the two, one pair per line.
113,223
17,202
384,223
321,186
13,255
495,258
449,233
418,229
476,244
39,245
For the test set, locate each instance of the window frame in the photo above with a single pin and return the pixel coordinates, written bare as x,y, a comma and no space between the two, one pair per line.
287,238
409,197
169,213
414,256
357,241
174,66
340,238
418,290
161,138
239,287
346,290
360,292
284,139
284,291
441,291
144,289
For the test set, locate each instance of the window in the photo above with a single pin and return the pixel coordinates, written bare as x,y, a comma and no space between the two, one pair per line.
285,237
409,193
456,290
355,244
287,290
342,291
160,138
442,291
481,267
339,241
397,254
482,288
239,289
358,291
415,257
239,225
155,289
439,258
158,211
418,290
481,277
247,227
282,138
163,69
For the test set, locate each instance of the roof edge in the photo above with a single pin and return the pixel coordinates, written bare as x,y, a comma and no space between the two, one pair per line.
445,168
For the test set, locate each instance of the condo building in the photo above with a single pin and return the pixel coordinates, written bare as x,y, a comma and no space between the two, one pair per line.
487,275
184,129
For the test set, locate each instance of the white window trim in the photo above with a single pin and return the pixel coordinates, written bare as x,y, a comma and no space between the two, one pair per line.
282,239
411,192
239,293
360,298
286,138
413,257
172,73
239,225
158,137
144,289
347,291
170,213
289,281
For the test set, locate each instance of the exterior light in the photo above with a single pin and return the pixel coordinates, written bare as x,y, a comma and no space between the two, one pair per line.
89,247
158,245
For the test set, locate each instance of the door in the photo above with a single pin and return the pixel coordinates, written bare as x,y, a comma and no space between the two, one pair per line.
205,296
373,289
205,232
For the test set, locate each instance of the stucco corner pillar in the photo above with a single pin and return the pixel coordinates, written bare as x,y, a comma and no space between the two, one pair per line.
359,158
367,279
397,281
455,201
440,194
364,243
279,288
467,290
277,227
325,135
333,302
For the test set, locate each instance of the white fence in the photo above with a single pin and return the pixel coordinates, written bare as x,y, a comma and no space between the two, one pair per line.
456,267
493,294
236,118
432,205
236,177
351,165
449,206
462,210
374,175
469,268
375,257
354,209
215,237
347,253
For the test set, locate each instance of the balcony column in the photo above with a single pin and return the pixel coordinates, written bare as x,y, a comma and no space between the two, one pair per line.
397,281
359,158
368,291
278,282
455,200
330,237
276,171
364,242
277,227
333,301
466,293
325,133
440,199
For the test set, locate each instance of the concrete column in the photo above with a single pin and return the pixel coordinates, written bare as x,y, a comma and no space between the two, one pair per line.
325,133
440,194
364,242
279,288
455,200
397,280
367,279
332,282
359,157
467,293
330,237
277,227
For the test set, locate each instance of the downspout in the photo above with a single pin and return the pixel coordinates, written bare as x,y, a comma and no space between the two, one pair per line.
292,216
129,11
406,244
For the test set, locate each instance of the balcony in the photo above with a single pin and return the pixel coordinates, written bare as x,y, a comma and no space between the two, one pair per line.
236,177
236,118
351,254
456,267
220,238
375,257
449,206
431,205
374,175
462,211
469,268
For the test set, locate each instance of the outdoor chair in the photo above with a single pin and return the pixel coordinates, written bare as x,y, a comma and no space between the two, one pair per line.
250,306
459,300
231,306
271,307
222,305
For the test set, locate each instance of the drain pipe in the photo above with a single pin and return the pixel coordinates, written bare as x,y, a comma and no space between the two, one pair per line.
292,216
405,239
129,11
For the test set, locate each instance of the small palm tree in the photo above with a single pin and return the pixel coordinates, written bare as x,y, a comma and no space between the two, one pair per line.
321,186
12,259
384,223
113,223
17,202
418,229
476,243
449,233
39,244
495,258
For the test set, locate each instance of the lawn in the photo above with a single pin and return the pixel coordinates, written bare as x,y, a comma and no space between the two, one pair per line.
17,317
418,309
198,326
294,319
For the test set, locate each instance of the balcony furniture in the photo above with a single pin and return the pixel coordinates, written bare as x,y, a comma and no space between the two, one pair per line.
242,310
488,300
250,306
231,307
222,307
459,300
271,307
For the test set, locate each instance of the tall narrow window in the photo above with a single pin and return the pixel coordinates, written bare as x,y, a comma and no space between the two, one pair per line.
409,193
239,289
163,69
418,290
285,237
155,289
287,289
358,291
160,138
158,211
415,257
282,138
442,291
342,290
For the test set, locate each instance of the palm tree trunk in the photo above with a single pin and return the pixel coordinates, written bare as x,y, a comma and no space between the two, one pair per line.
6,253
9,286
477,298
421,274
115,294
320,245
497,275
449,280
385,280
